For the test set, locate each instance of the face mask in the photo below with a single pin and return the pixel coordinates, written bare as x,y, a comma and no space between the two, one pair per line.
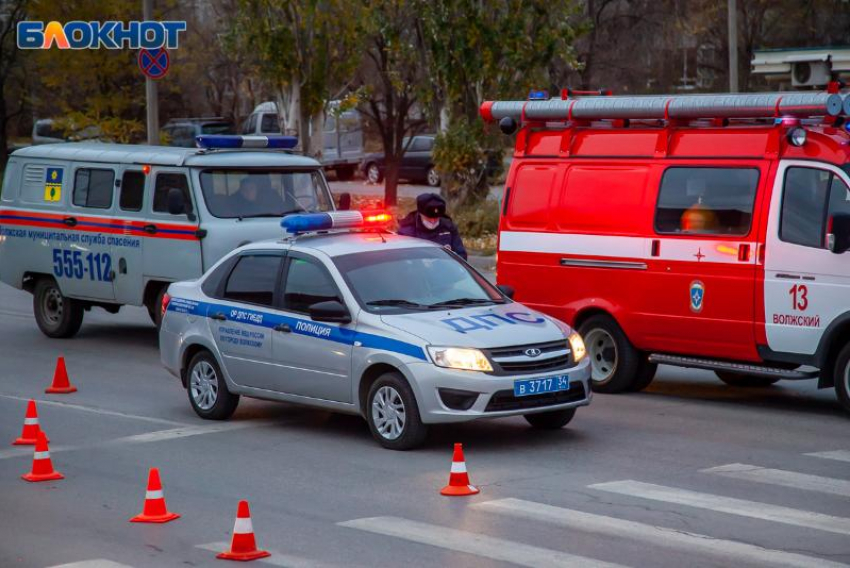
430,223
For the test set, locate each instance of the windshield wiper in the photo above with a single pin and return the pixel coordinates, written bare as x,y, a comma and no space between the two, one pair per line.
399,303
258,215
466,302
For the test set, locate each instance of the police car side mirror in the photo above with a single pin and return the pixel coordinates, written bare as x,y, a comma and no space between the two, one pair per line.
176,203
838,239
332,312
506,290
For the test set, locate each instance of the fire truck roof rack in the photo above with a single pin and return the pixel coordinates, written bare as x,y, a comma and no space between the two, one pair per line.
670,107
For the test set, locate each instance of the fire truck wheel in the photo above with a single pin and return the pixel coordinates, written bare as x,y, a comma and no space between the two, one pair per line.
736,380
842,377
645,375
614,362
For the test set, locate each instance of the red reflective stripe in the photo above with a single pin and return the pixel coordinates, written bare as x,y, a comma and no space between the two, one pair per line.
114,226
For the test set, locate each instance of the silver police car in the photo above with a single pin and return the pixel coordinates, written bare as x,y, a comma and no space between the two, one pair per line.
348,318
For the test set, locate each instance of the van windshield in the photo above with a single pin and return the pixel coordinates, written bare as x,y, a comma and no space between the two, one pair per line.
238,194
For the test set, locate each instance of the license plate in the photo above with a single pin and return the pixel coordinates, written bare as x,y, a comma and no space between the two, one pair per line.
528,387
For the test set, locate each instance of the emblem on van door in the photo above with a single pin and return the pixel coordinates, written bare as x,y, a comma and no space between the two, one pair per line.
697,296
533,352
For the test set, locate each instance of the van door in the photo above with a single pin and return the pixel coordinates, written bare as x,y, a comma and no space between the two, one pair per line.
701,283
805,285
127,249
87,269
172,249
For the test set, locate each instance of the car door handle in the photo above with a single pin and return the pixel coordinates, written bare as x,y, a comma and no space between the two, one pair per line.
283,327
219,316
70,221
150,229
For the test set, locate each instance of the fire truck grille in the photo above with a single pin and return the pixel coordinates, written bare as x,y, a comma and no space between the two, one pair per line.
516,360
505,399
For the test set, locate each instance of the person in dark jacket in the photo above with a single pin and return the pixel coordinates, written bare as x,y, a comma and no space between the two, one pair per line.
430,222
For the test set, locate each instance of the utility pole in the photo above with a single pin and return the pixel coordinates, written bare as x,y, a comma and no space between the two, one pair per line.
150,88
733,46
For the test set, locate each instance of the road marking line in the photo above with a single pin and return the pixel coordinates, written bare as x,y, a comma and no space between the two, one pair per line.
729,550
276,559
95,410
96,563
147,437
838,455
784,478
471,543
732,506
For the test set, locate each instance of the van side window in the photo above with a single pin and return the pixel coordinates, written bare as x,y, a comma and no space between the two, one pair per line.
528,207
253,279
93,188
839,198
307,283
132,191
804,200
269,125
706,201
164,183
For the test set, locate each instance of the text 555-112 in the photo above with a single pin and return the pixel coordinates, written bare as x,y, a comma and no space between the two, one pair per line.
73,264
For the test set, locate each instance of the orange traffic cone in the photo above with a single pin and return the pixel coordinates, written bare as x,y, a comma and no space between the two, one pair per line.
154,510
31,428
61,384
42,467
458,478
243,547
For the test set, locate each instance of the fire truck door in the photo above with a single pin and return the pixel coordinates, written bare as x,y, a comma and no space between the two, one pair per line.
806,286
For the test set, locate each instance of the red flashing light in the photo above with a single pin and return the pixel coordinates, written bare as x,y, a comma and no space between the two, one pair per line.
146,169
377,218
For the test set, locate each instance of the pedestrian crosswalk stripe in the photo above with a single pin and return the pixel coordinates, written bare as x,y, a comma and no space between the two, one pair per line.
96,563
472,543
732,506
784,478
732,552
276,559
838,455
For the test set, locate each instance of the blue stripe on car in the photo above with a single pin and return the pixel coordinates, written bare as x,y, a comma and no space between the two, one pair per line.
307,327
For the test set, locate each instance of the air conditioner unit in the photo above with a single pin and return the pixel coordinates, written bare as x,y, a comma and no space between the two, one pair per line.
810,73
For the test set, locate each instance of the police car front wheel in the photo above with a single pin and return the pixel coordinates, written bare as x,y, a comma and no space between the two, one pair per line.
57,316
208,392
552,420
393,414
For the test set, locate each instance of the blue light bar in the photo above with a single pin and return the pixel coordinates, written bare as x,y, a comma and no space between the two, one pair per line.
234,141
313,222
538,95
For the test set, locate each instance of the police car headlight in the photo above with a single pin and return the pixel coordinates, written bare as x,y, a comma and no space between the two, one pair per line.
577,345
459,358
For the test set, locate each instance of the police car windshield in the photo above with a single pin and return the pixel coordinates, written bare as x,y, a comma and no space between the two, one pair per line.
413,280
240,194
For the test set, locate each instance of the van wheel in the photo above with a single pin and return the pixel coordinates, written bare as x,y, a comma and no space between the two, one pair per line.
614,362
393,415
746,381
57,316
155,309
207,388
553,420
842,377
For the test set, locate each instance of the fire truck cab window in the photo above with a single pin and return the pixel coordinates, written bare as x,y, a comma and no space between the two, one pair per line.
809,198
706,201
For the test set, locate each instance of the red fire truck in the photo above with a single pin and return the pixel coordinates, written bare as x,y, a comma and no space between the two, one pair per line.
705,231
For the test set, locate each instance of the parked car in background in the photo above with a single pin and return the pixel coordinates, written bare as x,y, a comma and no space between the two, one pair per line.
47,131
342,137
417,164
182,131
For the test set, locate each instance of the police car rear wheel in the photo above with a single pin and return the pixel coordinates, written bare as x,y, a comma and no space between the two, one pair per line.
747,381
208,392
614,362
393,415
553,420
842,377
56,315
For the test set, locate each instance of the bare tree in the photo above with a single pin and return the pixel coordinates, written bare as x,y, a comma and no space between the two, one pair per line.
11,12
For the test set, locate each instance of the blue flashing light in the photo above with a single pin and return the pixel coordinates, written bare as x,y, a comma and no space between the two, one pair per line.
847,126
211,141
538,95
313,222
